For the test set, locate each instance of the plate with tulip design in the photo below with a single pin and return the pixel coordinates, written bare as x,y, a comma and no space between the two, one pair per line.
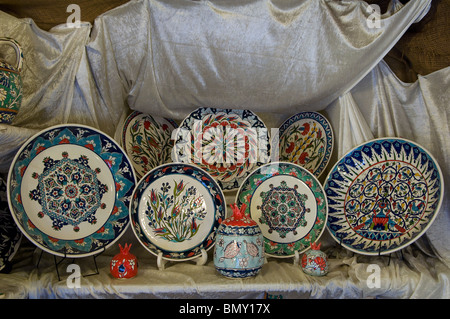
147,141
306,139
383,195
226,143
176,210
289,205
69,188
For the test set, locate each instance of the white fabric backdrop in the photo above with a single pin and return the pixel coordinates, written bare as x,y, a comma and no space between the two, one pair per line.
275,58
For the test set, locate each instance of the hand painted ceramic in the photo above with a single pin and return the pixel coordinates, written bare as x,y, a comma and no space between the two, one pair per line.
10,83
10,235
147,141
383,195
315,261
306,139
239,249
69,187
228,144
175,210
124,264
289,205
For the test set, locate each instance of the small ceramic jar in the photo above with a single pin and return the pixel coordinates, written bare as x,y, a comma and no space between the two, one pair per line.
239,249
124,264
10,83
315,261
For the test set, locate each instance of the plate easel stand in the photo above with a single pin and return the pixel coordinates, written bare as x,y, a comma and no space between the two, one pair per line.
64,257
295,262
379,253
199,260
388,255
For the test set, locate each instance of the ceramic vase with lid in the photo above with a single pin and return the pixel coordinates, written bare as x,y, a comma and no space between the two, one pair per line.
124,264
239,250
10,83
315,261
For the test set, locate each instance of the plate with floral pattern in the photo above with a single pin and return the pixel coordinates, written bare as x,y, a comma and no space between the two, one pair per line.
383,195
69,188
147,141
306,139
226,143
289,205
176,210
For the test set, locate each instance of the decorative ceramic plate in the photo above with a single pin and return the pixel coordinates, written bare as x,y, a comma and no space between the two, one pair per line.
69,187
10,235
306,139
147,141
383,195
289,205
175,210
228,144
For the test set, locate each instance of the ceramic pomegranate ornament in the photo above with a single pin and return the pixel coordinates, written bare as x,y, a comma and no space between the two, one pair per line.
124,264
239,250
10,83
315,261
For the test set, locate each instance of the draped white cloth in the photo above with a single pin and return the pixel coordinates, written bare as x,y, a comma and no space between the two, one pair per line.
276,58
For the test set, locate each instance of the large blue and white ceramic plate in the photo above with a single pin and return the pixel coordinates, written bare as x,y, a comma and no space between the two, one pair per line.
306,139
383,195
69,187
10,235
176,210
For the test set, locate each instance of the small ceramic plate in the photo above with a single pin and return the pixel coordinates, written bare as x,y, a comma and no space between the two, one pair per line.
10,235
175,210
147,141
383,195
228,144
306,139
69,187
289,205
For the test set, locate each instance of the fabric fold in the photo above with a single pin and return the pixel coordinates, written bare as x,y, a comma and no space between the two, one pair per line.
267,56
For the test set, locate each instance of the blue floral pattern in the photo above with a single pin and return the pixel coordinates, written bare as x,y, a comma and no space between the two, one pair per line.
69,191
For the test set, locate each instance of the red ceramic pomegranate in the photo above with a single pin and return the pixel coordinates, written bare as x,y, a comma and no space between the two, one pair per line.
124,264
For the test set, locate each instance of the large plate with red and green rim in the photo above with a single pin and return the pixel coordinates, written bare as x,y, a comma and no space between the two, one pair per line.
68,190
289,205
226,143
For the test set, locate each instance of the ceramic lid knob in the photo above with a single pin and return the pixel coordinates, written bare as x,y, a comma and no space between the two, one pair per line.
239,218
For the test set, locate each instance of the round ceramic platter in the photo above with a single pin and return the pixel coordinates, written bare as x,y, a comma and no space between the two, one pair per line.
10,235
228,144
175,210
289,205
69,188
306,139
383,195
147,141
